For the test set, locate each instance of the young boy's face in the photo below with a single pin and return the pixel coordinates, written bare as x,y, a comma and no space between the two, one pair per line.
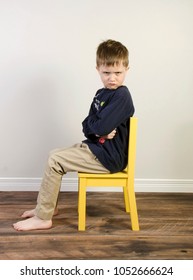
112,76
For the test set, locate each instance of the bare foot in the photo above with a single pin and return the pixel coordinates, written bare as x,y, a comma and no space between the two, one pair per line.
31,213
28,214
32,223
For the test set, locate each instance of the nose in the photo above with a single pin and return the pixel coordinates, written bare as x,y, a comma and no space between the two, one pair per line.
112,77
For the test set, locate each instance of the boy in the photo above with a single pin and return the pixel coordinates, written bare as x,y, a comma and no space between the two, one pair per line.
106,131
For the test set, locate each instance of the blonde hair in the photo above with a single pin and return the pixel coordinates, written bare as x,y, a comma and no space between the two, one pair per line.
111,52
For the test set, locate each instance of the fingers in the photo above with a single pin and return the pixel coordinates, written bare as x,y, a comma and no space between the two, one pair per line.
112,134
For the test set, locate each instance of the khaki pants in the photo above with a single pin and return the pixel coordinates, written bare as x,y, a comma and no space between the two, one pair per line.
76,158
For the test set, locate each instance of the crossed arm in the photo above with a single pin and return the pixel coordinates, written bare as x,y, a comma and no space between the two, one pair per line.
111,135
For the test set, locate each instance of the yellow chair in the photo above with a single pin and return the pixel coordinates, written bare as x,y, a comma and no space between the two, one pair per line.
123,179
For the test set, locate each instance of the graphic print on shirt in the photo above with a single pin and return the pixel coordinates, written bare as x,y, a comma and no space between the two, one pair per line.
98,103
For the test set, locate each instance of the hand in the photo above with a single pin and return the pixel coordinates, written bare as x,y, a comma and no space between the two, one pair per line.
111,135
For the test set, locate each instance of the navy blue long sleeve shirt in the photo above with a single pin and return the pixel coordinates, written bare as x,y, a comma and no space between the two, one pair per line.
110,109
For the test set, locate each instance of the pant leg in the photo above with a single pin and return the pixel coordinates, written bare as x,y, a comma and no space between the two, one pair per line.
77,158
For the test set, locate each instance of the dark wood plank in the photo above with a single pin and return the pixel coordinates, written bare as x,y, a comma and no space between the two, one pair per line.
32,247
166,228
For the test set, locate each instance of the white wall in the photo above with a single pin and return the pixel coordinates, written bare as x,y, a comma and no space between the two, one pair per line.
48,79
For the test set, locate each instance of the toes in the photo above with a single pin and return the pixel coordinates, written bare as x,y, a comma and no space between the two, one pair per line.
16,226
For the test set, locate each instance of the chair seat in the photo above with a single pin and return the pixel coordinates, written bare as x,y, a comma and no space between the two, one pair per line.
122,174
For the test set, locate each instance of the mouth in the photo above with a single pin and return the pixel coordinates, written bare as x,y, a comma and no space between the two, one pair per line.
112,85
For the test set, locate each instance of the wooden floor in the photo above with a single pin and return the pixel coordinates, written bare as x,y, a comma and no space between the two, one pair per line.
166,228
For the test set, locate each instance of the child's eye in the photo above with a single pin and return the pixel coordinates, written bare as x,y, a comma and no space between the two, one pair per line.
118,73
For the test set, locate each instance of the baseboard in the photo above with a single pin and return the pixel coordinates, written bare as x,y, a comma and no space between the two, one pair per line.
164,185
71,184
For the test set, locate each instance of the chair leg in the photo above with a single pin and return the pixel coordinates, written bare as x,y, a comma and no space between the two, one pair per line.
82,204
78,196
126,199
133,207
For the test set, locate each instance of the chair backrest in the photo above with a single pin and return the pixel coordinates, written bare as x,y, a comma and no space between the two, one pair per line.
132,146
